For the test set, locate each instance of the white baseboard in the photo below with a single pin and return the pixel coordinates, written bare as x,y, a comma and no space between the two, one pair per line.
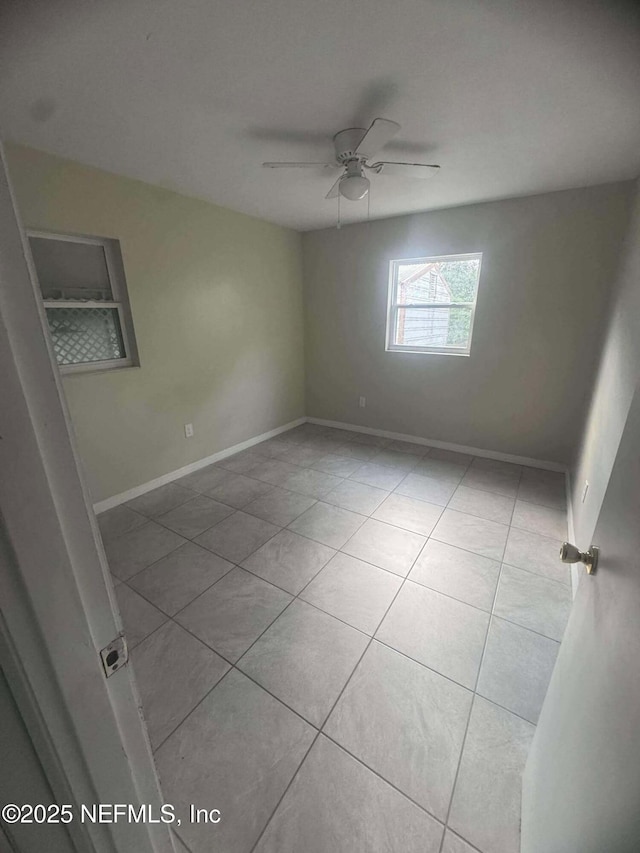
136,491
446,445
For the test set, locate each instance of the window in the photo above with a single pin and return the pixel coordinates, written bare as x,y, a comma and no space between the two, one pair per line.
431,304
85,300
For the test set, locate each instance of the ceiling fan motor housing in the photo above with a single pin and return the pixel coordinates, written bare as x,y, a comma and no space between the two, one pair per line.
346,143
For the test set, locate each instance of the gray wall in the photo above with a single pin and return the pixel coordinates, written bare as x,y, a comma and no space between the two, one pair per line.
549,263
617,377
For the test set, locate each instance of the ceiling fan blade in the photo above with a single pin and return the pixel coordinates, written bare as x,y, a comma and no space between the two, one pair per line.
334,192
406,170
301,165
382,130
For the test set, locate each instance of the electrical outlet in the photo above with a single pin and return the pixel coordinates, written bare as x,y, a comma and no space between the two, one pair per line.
188,430
362,402
585,491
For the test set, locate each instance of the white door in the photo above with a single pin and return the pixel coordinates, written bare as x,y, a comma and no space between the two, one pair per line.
56,598
582,782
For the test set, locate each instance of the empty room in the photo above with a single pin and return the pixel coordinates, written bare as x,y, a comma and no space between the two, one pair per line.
320,426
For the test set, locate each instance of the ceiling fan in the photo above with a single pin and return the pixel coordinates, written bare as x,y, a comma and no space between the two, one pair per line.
355,147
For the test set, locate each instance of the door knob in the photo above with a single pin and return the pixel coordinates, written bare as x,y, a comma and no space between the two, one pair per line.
570,554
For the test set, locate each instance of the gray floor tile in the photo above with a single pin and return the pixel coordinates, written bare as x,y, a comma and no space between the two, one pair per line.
537,554
444,634
408,447
440,469
483,463
174,671
357,497
310,482
516,668
426,489
139,618
385,546
547,488
301,454
307,430
236,752
489,505
238,490
342,435
409,513
140,547
450,456
479,535
398,461
543,520
175,580
356,592
339,466
233,613
380,476
355,450
336,805
504,481
455,844
160,500
401,714
378,441
195,516
241,463
486,801
533,601
121,519
237,536
288,560
406,723
305,659
274,471
274,446
280,506
204,478
328,524
325,444
461,574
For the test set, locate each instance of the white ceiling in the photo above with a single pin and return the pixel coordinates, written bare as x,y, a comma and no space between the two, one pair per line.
511,97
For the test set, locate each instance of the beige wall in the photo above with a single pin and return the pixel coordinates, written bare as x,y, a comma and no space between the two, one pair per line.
616,380
548,267
217,308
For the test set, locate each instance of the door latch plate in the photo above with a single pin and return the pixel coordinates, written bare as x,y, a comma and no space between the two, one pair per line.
115,655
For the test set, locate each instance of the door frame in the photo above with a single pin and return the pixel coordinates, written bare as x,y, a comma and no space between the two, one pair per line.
57,604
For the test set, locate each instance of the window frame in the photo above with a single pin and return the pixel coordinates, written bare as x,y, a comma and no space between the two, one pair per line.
393,305
120,300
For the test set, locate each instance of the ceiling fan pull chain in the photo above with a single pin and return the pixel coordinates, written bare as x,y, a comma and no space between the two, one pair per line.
339,223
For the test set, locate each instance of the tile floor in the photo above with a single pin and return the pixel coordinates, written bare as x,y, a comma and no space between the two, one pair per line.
343,642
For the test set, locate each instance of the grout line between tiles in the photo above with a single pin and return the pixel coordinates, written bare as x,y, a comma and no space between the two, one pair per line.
473,847
182,841
284,793
386,781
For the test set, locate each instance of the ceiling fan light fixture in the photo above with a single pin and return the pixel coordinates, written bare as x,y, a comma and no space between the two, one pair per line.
354,187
